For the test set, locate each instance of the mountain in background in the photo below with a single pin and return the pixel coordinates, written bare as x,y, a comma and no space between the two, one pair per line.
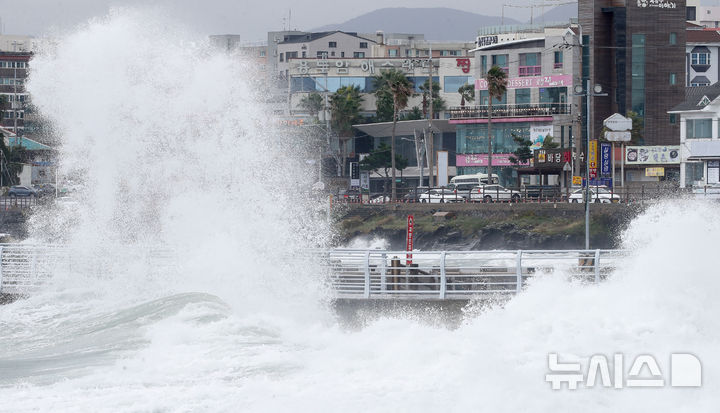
435,23
558,14
440,23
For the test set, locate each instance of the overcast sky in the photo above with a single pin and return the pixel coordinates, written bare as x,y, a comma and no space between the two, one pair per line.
250,19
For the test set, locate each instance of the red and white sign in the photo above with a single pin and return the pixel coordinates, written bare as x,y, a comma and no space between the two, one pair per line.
529,82
409,238
481,159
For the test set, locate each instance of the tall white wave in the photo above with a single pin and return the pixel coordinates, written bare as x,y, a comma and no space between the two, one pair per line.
173,149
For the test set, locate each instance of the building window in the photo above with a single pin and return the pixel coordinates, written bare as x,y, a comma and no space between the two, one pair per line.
673,118
529,64
700,58
483,64
332,44
500,60
691,13
453,83
522,96
673,38
637,68
392,52
363,45
291,55
321,54
342,54
698,129
558,60
673,79
282,57
358,55
304,54
332,53
262,53
694,172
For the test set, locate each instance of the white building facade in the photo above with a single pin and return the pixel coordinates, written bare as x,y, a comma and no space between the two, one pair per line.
699,139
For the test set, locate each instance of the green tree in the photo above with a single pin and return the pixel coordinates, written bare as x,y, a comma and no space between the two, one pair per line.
548,143
379,159
523,153
313,103
497,85
345,109
14,158
437,101
467,93
397,85
414,114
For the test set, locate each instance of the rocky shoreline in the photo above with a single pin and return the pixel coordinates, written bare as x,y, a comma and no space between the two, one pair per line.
485,226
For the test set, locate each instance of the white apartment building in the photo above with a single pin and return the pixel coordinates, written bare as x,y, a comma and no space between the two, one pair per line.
702,51
699,139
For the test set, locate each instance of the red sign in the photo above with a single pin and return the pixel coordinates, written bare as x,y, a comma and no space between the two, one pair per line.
409,238
465,64
593,173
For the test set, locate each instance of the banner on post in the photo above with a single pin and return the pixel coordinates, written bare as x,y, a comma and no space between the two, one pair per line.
409,238
605,154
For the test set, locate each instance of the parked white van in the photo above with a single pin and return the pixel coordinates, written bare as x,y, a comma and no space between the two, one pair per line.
462,184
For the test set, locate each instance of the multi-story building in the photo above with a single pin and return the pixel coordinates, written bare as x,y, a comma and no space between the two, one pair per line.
635,50
702,51
13,98
539,63
698,117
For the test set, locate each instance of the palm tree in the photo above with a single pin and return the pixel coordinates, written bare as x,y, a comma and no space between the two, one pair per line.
395,83
467,93
497,85
345,106
437,101
313,103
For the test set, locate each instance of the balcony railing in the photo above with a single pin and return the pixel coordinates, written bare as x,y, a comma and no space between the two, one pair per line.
510,111
530,71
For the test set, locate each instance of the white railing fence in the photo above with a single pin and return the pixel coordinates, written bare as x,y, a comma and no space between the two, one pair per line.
352,274
444,275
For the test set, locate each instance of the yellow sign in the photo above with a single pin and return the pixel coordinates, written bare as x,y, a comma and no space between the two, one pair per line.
577,180
593,154
654,171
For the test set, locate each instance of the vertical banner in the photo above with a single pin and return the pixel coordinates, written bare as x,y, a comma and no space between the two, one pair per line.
354,174
442,168
409,238
605,159
365,180
592,158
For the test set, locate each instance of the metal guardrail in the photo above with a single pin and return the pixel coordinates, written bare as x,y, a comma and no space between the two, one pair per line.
448,275
352,274
509,111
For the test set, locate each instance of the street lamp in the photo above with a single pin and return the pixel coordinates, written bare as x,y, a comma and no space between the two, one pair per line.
596,91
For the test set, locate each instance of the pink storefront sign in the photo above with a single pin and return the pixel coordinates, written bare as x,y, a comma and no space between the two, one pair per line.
530,82
481,159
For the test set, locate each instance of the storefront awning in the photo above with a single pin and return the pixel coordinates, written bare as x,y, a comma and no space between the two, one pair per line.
704,150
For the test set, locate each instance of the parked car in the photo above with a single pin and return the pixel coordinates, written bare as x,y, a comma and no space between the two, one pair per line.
20,190
380,199
413,194
440,196
494,193
349,195
598,194
45,189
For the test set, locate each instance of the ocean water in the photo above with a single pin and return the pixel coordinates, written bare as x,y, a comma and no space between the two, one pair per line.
170,144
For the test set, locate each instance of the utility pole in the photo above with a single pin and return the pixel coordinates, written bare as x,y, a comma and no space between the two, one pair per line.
430,139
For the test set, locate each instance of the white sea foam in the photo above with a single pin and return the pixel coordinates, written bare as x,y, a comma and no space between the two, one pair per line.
173,149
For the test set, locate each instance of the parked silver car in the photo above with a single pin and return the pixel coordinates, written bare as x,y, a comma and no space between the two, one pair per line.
494,193
21,190
440,196
598,194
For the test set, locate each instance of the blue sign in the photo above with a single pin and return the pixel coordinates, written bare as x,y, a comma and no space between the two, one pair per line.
599,182
605,154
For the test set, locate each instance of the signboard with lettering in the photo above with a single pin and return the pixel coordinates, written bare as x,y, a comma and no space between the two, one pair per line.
409,238
637,155
334,66
659,171
592,154
552,158
486,41
657,4
481,159
605,154
530,82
